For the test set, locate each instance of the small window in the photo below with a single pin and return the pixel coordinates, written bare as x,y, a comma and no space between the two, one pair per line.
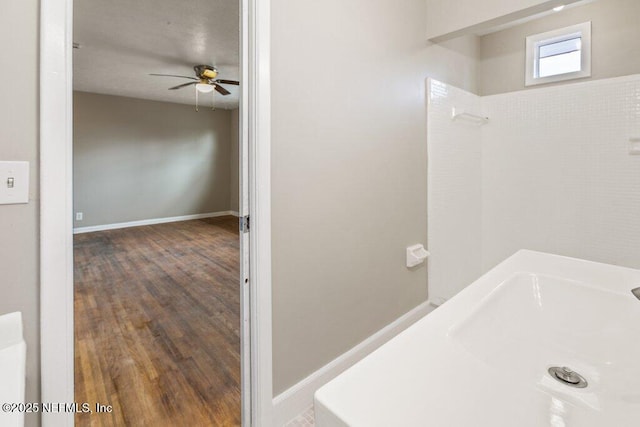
559,55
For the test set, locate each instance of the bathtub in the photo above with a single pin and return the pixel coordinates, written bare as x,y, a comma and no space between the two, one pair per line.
540,340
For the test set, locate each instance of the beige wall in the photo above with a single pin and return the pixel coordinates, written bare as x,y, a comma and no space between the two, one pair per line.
445,17
454,62
234,182
349,170
19,141
136,159
615,44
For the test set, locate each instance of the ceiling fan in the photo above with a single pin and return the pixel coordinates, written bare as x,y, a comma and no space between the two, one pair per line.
205,80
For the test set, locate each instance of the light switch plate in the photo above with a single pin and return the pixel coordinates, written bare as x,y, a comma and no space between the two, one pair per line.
14,182
634,146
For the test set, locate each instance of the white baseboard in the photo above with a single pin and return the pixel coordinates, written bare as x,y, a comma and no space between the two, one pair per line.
89,229
292,402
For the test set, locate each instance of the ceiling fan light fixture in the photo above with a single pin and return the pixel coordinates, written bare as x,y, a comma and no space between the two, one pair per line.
204,88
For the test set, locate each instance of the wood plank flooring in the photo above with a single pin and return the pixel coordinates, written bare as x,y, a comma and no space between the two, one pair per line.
157,318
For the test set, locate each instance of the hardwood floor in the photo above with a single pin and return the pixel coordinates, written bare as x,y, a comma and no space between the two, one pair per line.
157,318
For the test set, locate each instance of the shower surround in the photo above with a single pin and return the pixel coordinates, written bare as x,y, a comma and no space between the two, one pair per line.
551,171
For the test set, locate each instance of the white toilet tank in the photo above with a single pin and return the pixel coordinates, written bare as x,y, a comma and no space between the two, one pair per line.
13,353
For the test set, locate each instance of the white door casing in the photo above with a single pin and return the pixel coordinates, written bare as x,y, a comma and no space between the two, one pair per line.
56,209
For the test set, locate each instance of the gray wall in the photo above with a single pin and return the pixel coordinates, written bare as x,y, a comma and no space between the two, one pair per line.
615,44
446,17
19,259
234,182
349,170
136,159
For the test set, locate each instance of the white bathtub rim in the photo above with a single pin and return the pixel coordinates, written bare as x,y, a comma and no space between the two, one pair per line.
332,398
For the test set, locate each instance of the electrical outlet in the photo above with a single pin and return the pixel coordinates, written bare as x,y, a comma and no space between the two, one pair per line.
79,216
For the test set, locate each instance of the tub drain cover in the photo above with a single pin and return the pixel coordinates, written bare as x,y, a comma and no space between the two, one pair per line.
567,376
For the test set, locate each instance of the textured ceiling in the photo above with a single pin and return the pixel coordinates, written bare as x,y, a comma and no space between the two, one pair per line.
122,41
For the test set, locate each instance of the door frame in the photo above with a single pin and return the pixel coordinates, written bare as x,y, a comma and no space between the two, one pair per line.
56,205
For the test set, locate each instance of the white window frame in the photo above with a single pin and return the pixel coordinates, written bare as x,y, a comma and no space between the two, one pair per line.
532,52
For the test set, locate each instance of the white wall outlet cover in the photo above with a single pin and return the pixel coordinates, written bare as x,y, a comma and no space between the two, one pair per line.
416,254
634,146
14,182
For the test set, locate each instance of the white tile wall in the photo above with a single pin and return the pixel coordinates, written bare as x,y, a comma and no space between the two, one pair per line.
453,191
557,175
550,172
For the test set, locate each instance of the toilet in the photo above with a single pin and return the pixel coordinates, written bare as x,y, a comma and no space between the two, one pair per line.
13,353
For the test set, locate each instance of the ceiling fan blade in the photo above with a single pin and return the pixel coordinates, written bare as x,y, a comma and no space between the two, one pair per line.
221,90
183,85
228,82
173,75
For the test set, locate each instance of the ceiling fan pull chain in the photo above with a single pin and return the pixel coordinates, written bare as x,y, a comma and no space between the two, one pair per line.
213,100
196,99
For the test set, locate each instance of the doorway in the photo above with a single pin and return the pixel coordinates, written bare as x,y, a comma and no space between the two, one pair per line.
157,286
57,323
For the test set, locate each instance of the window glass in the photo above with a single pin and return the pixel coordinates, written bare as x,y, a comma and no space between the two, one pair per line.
559,55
